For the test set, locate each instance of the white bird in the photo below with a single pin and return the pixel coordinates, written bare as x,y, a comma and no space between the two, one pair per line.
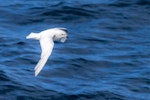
47,38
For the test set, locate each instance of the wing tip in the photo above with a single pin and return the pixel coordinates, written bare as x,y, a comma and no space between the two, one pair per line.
63,29
36,74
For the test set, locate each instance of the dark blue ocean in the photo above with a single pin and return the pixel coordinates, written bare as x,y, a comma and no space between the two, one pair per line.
106,57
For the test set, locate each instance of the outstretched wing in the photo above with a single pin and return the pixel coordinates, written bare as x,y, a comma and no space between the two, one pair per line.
47,47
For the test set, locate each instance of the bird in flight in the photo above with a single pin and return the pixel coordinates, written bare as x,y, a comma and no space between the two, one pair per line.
47,38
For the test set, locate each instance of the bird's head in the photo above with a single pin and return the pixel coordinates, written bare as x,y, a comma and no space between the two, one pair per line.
61,34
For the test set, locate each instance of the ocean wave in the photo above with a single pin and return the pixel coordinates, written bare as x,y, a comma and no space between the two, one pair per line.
105,57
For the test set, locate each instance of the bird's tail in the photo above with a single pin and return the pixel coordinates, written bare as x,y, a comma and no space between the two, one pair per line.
33,36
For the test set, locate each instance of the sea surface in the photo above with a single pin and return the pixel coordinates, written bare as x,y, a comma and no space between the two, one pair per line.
106,57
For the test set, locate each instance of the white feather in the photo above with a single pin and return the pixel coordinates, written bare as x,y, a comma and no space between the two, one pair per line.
47,47
47,38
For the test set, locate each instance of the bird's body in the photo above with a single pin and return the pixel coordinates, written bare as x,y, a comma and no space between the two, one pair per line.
47,38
